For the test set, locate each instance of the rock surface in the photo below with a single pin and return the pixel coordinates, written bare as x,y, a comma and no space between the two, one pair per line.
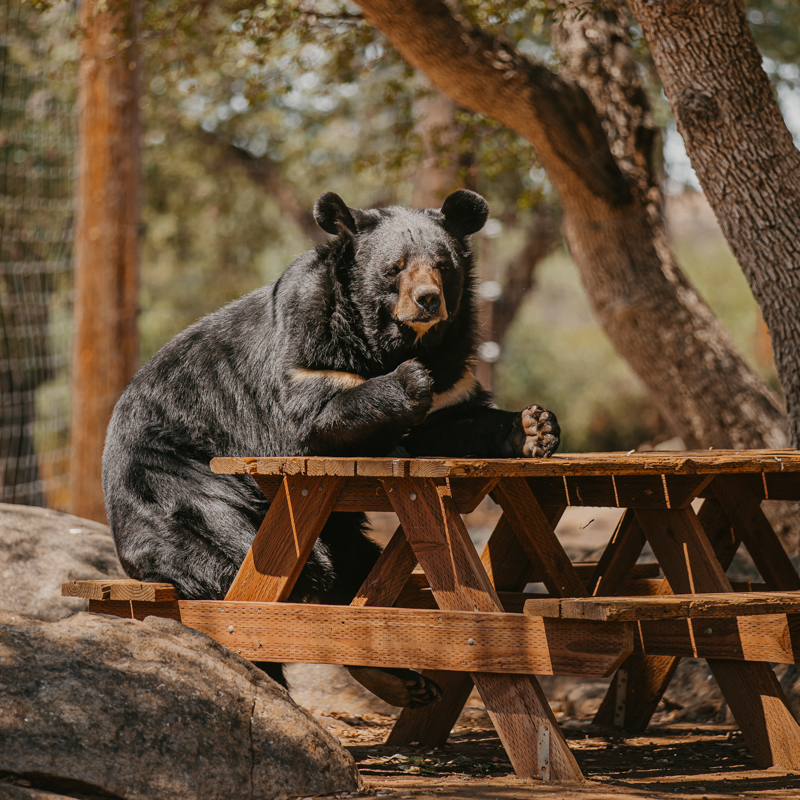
40,549
142,710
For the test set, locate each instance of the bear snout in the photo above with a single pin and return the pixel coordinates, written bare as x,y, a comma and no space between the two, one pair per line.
428,298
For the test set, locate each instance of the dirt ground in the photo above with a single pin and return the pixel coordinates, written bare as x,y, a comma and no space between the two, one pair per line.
686,761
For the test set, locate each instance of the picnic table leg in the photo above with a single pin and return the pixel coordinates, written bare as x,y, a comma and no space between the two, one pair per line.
751,688
754,529
631,704
285,538
516,703
509,570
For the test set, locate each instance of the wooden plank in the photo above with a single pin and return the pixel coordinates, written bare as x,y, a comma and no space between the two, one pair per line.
654,463
633,609
459,641
389,575
284,540
343,467
537,538
751,689
120,590
618,561
367,494
744,511
516,704
771,638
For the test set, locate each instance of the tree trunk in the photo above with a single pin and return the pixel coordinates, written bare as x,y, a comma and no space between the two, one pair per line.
105,341
656,320
743,154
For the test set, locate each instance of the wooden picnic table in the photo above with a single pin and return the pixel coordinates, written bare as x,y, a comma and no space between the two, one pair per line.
432,602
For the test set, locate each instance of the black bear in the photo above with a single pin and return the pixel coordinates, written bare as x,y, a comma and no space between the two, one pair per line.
362,347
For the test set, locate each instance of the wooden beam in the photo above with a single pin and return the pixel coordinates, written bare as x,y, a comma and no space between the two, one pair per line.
508,567
635,609
653,463
120,590
367,494
537,538
773,638
285,539
390,574
751,689
632,698
743,509
458,641
515,703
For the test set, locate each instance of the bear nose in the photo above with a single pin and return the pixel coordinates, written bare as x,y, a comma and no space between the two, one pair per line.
428,298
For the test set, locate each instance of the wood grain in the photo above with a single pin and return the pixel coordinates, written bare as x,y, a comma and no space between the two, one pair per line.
633,609
284,540
655,464
390,574
120,590
516,704
751,689
537,538
743,509
457,641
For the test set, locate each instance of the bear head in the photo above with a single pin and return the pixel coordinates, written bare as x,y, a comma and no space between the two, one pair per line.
411,266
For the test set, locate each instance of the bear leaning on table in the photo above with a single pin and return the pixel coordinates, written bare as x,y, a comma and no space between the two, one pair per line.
363,347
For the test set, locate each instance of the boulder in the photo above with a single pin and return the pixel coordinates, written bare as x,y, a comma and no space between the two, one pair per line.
40,549
140,710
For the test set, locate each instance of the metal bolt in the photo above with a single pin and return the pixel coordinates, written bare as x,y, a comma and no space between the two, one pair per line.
440,619
239,650
709,631
230,628
413,495
292,486
304,492
320,489
470,641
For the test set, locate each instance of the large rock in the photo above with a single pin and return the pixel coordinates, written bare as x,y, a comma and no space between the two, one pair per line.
144,710
40,549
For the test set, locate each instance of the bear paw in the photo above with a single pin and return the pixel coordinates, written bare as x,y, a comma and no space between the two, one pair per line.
398,687
540,433
417,385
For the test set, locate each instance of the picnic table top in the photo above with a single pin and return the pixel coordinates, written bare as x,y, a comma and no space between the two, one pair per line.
684,462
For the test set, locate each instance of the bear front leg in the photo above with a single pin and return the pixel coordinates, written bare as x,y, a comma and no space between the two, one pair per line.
476,430
367,419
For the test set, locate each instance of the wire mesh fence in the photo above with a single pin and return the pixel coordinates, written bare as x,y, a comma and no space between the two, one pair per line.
37,157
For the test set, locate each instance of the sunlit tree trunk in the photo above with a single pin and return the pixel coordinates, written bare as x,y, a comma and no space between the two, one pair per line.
105,341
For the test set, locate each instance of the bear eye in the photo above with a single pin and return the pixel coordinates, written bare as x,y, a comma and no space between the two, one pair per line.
396,267
443,265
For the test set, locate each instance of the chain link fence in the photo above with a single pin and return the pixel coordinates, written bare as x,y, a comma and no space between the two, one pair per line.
37,156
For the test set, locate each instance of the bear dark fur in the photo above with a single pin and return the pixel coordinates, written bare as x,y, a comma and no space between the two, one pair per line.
361,347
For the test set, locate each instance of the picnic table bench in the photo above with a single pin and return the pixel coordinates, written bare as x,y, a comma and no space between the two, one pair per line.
466,619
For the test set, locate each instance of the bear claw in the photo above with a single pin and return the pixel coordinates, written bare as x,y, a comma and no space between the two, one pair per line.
541,431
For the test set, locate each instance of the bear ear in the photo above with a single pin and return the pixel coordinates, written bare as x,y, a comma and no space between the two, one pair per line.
332,215
464,213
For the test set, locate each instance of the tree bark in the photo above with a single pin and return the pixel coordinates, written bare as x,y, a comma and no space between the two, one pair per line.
743,155
655,319
105,341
